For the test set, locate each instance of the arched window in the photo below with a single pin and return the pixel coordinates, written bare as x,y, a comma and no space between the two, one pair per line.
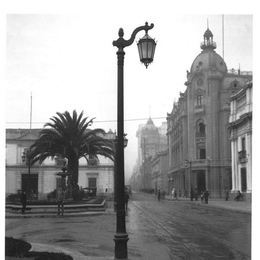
200,128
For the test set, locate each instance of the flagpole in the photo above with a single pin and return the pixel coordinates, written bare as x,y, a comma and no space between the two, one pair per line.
223,36
31,113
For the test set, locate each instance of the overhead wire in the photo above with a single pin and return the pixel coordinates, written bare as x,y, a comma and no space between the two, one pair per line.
95,121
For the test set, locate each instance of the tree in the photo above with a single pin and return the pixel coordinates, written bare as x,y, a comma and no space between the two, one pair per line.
68,136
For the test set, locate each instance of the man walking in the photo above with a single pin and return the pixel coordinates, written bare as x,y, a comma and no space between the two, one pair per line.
23,201
159,195
173,191
206,196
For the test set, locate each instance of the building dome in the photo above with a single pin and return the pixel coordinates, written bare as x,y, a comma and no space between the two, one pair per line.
208,58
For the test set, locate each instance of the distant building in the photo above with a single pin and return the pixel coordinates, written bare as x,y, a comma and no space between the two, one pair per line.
43,178
159,168
241,139
197,127
151,140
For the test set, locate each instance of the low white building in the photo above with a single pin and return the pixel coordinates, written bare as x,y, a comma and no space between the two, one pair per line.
240,121
43,178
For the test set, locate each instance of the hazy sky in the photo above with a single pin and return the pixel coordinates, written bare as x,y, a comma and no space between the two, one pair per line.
67,62
61,51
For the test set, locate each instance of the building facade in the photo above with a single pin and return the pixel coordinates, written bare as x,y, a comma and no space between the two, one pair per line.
197,128
43,178
159,169
151,140
241,140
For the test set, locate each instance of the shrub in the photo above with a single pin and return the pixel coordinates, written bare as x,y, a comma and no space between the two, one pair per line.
77,194
16,247
13,198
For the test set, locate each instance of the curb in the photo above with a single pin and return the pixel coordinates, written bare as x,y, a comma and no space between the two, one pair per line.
68,215
38,247
227,207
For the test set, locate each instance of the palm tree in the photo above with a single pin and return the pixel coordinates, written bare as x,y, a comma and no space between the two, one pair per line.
68,136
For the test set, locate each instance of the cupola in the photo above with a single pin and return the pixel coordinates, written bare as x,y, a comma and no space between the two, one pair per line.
208,42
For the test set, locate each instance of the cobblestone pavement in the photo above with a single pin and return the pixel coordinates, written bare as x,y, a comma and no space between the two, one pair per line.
157,230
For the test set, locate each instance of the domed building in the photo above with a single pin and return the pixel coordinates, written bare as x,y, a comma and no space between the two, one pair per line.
151,141
197,127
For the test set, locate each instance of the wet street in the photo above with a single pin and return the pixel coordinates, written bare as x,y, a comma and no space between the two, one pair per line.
185,230
157,230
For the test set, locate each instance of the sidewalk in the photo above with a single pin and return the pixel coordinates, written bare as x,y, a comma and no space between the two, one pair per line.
241,206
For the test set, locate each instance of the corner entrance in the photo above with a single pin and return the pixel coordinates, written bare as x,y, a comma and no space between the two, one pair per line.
201,181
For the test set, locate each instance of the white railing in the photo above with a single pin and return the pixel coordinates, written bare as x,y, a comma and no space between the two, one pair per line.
239,72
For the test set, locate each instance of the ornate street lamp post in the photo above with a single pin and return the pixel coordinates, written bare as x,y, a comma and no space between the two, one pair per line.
146,48
115,168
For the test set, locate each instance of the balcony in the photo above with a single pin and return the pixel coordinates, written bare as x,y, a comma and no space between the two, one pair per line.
200,134
199,108
206,44
239,72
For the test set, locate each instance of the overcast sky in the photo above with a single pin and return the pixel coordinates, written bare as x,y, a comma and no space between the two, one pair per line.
62,52
67,62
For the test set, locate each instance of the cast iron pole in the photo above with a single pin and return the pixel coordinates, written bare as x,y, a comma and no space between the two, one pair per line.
121,237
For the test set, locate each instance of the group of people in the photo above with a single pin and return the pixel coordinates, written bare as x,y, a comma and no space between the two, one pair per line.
194,195
60,196
204,195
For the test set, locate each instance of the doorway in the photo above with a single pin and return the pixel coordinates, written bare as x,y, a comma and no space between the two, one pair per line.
201,181
30,184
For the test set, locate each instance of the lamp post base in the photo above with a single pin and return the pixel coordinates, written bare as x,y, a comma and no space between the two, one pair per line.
121,245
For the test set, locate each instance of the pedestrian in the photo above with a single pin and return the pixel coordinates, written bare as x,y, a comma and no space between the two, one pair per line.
202,197
60,201
159,195
191,194
163,194
175,195
206,196
173,191
196,194
23,201
126,200
239,196
227,195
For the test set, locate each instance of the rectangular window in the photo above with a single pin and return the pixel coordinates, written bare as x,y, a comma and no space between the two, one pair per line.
202,153
92,182
199,100
241,101
243,143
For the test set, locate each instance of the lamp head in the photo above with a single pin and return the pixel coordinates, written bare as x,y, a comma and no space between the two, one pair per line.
146,48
